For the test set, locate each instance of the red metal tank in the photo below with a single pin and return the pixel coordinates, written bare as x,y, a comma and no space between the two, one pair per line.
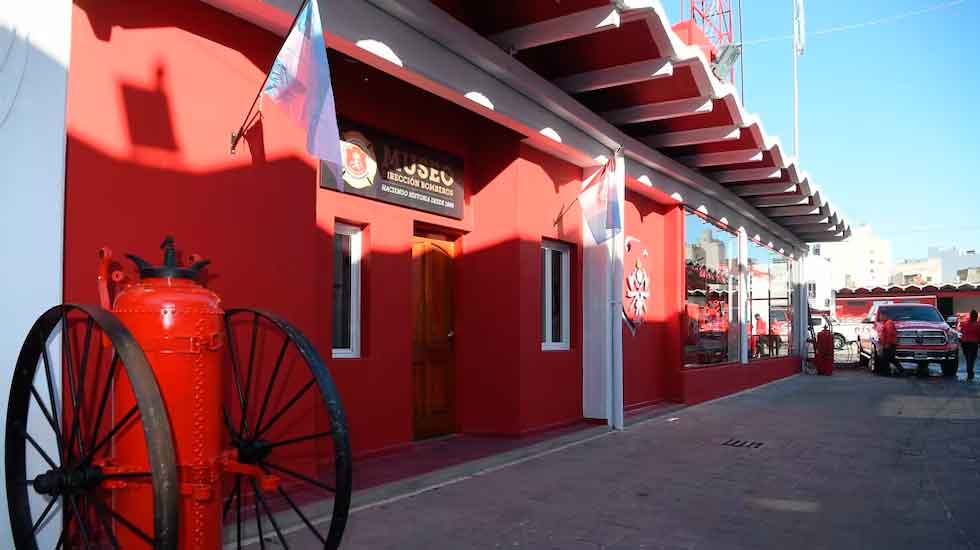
179,324
825,352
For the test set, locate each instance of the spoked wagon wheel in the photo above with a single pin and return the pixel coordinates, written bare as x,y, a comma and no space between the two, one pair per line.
69,468
284,417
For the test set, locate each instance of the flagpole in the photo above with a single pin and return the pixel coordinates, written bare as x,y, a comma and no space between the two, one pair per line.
796,106
237,136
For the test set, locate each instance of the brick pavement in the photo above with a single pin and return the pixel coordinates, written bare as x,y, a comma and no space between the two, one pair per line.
850,461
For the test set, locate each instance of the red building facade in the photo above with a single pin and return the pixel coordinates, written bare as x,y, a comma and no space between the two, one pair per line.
449,333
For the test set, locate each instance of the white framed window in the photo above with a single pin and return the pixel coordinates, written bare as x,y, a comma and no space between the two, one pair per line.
555,295
346,291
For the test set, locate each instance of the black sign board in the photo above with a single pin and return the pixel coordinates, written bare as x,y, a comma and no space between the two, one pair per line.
385,168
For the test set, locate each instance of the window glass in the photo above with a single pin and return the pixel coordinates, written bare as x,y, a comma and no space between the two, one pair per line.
712,326
555,276
770,303
346,291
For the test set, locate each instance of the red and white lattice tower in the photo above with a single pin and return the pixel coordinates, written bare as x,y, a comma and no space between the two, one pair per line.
714,17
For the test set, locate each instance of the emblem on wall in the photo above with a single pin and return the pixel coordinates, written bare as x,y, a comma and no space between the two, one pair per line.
360,165
638,292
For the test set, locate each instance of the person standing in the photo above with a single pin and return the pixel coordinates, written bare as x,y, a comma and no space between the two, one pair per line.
970,341
888,341
761,336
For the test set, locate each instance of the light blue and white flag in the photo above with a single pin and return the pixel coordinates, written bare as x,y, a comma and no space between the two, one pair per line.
600,203
300,83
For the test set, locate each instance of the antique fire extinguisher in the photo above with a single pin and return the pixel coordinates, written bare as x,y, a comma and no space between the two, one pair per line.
179,324
825,352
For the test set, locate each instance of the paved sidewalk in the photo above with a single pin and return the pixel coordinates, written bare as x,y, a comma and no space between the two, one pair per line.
850,461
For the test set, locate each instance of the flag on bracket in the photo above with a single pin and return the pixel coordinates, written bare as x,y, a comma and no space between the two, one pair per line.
300,83
600,203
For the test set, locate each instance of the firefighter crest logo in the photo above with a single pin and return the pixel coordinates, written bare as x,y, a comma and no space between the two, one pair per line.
360,163
638,292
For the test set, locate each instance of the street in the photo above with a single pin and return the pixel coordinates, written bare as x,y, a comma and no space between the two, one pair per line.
849,461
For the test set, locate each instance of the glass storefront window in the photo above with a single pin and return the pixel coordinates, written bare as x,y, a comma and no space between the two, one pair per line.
711,332
770,303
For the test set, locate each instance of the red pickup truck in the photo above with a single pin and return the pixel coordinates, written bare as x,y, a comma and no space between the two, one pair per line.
924,337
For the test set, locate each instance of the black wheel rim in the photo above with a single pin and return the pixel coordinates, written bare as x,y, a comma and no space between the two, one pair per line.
78,476
284,416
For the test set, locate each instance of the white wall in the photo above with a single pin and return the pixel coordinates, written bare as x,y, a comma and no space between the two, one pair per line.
819,270
35,38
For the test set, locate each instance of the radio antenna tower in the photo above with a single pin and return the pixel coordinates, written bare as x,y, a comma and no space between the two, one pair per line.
716,19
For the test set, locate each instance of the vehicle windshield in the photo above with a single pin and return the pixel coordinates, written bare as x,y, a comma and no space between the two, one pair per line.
912,313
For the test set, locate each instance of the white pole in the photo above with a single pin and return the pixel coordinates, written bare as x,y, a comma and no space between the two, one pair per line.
796,107
616,249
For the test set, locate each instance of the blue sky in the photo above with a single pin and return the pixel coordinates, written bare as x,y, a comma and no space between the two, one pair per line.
889,113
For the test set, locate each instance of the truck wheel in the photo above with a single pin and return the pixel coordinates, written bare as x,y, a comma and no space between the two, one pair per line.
950,368
839,342
873,362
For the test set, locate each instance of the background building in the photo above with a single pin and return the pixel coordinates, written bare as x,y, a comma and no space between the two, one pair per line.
954,261
918,272
970,275
864,260
821,280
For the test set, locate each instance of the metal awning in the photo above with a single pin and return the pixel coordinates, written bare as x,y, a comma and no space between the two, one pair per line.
579,78
625,63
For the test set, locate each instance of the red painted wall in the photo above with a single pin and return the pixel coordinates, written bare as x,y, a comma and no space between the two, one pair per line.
154,93
645,365
547,207
706,383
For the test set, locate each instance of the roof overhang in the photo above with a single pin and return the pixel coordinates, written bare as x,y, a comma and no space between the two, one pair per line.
580,80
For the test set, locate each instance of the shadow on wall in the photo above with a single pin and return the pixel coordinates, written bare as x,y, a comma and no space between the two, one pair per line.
231,32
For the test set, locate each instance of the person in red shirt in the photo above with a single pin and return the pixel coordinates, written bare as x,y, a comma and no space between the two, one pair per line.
888,341
761,336
970,341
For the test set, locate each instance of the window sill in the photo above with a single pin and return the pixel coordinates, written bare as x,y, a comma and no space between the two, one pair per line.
345,354
555,347
697,366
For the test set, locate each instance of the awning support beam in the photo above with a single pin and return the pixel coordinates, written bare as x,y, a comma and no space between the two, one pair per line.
619,75
559,29
659,111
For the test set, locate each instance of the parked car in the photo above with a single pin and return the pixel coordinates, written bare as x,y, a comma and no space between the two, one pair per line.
924,337
820,321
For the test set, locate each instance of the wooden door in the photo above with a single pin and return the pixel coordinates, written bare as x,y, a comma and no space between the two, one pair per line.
434,392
